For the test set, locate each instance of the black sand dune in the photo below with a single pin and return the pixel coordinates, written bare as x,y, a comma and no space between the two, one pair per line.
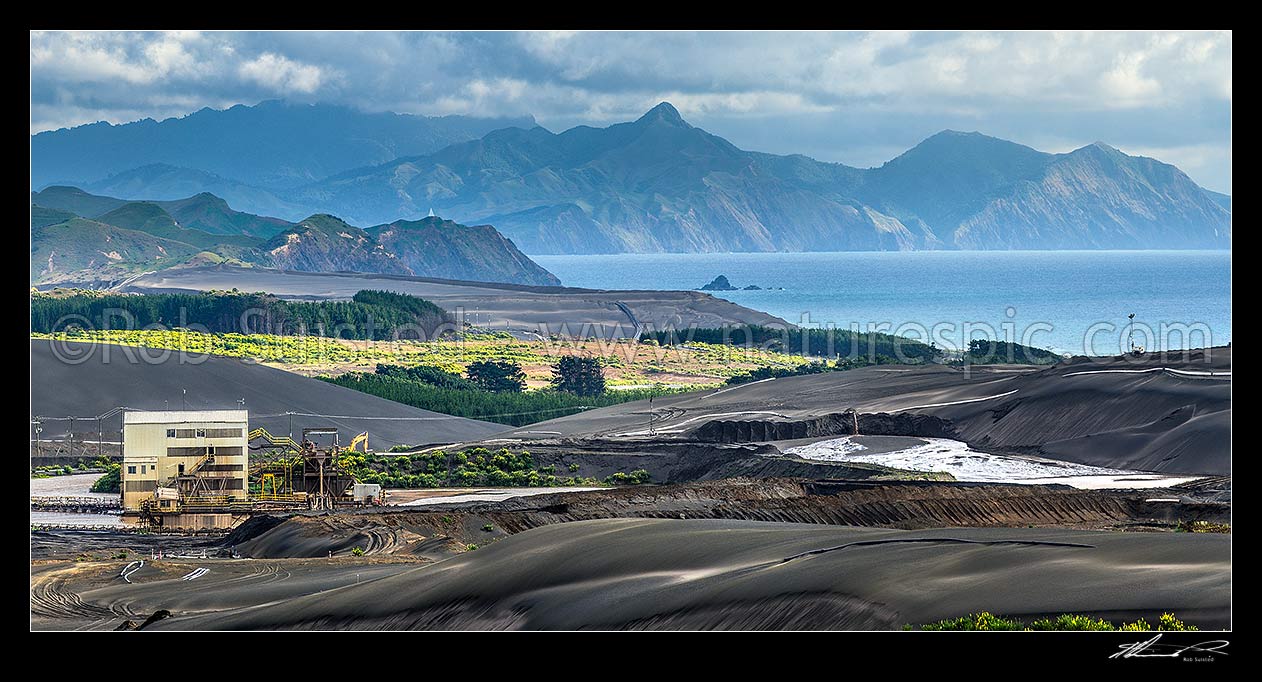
434,530
1119,413
659,573
109,378
59,602
558,310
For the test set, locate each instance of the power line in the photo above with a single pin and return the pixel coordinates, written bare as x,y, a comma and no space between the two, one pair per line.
351,416
438,418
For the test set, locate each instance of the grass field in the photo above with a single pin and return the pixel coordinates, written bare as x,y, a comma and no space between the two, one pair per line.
627,363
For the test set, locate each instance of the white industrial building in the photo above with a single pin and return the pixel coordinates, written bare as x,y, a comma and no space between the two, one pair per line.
184,456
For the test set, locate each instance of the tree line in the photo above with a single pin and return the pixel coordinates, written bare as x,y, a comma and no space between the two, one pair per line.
827,342
494,390
375,315
511,408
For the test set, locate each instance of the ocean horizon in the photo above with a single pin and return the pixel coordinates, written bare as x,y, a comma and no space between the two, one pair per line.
1073,302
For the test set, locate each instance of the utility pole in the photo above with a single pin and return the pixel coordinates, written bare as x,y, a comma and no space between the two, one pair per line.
184,399
38,445
100,436
650,415
1130,332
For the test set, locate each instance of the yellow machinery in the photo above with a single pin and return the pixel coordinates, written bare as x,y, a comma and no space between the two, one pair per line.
274,441
357,440
301,472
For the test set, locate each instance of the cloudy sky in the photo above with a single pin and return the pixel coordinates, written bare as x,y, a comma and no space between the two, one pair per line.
858,98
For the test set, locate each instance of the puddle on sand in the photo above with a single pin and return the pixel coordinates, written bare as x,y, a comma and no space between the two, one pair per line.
966,464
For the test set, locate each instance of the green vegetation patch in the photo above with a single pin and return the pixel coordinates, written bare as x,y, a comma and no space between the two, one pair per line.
376,315
513,409
1201,527
828,342
469,468
986,352
110,482
1064,622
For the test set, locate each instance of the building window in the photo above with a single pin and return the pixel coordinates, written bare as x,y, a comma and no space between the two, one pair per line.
170,433
131,469
142,468
201,433
210,449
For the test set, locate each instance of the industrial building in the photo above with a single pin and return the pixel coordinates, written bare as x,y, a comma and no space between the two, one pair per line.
185,456
192,470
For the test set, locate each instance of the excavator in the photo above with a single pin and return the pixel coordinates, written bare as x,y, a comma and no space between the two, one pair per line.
361,439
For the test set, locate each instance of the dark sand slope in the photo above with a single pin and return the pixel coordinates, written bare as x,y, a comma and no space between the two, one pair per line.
58,604
107,379
1118,413
435,531
587,312
656,573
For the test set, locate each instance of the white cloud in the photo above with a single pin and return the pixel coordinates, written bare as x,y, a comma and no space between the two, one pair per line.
1174,86
282,74
1126,84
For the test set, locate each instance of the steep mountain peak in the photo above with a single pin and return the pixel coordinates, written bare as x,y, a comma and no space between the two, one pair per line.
1105,148
948,133
206,198
324,222
427,221
663,113
1099,151
956,139
135,214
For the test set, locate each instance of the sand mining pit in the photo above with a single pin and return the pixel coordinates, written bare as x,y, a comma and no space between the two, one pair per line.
643,573
710,534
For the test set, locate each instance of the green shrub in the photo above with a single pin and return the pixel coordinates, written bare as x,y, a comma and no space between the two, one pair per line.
470,547
425,374
1201,527
358,551
977,621
1067,621
1063,622
636,477
110,482
512,409
488,528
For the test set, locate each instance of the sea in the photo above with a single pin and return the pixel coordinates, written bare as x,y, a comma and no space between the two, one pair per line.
1073,302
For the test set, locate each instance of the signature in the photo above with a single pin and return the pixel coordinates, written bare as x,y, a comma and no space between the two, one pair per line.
1151,649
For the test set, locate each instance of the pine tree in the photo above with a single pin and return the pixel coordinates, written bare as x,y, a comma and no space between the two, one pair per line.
578,375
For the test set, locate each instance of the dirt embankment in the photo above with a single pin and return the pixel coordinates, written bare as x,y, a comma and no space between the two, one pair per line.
685,461
437,532
1168,414
836,424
